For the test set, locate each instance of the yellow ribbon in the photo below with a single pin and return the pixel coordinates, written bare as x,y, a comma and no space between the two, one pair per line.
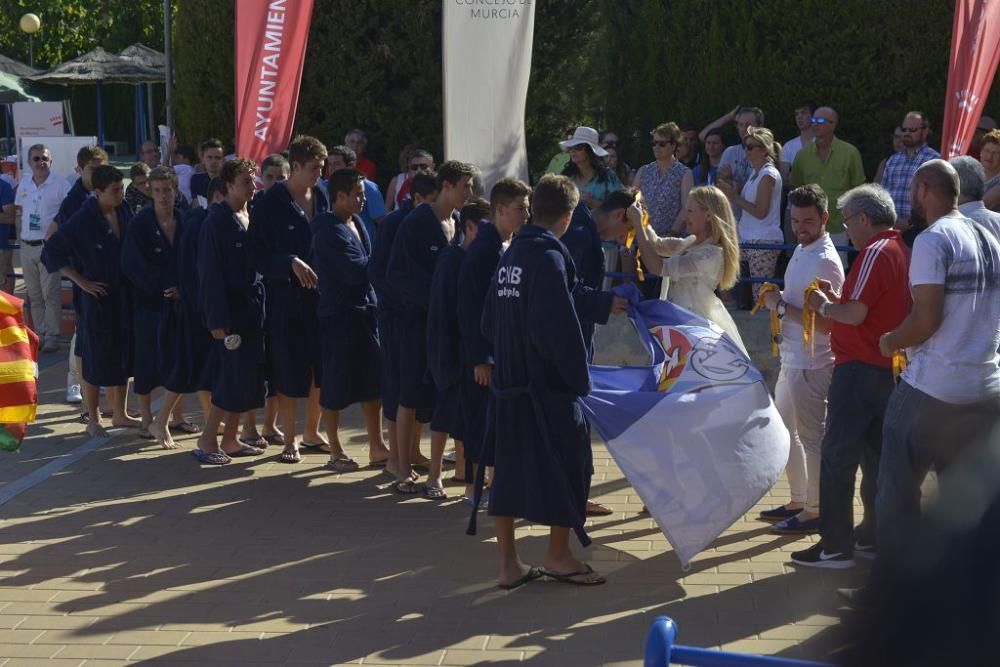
766,288
630,240
898,364
809,320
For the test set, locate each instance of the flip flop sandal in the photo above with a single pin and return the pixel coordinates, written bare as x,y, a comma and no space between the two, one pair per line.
406,487
342,464
435,493
532,574
211,458
257,443
186,426
597,509
144,434
245,450
274,439
568,577
381,463
290,456
319,446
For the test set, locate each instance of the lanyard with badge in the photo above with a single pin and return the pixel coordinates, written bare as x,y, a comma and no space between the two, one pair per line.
35,216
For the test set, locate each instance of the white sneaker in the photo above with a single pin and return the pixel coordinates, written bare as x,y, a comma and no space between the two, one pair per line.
73,394
449,456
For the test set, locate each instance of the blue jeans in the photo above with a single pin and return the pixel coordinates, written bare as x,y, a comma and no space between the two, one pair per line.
921,433
856,406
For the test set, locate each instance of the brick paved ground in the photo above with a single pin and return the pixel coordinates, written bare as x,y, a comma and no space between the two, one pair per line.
136,554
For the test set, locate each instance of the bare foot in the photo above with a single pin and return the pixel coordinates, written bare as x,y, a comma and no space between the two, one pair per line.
162,436
391,470
378,452
95,430
572,571
125,422
509,576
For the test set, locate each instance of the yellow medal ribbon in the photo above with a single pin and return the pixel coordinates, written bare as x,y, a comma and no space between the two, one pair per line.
766,288
898,364
809,320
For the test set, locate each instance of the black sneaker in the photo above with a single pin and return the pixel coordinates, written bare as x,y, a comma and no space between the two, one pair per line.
815,556
866,551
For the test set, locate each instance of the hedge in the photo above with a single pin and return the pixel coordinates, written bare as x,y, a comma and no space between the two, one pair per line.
626,65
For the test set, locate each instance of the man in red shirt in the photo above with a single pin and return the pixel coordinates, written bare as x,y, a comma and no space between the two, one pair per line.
875,299
357,141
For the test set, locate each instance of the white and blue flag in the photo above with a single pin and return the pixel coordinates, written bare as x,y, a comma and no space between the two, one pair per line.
695,432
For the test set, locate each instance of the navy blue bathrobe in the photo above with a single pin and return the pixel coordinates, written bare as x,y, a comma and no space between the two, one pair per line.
543,458
149,261
279,232
415,251
390,307
232,300
87,243
184,340
347,312
478,266
444,357
584,245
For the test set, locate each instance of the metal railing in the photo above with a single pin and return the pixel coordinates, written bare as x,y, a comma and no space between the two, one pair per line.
661,651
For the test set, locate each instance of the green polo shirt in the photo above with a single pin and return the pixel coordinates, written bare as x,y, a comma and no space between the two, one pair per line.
841,171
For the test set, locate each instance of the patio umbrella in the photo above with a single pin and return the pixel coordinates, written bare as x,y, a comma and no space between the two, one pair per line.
11,66
99,67
147,57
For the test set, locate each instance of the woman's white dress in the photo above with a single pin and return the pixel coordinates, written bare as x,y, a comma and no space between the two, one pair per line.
691,273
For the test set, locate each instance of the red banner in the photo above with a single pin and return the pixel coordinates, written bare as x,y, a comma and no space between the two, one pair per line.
975,51
271,38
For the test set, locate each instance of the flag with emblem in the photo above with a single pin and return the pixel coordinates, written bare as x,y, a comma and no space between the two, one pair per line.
694,431
18,371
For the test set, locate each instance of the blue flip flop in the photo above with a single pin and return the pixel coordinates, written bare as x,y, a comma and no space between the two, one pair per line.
211,458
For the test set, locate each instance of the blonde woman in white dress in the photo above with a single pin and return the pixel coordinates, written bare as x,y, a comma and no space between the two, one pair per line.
694,267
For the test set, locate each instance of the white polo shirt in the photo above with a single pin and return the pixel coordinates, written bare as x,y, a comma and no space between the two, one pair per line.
39,204
819,259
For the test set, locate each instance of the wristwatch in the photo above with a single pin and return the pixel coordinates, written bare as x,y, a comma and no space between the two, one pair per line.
780,308
823,307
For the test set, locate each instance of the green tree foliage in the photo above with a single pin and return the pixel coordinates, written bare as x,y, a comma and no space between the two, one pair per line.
203,69
693,60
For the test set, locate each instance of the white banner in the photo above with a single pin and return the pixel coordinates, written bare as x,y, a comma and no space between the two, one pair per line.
487,64
38,119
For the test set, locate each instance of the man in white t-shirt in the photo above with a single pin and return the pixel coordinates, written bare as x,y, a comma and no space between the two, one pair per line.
38,198
804,379
803,121
947,401
972,186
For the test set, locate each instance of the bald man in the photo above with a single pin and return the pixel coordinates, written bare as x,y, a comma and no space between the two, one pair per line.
947,401
831,163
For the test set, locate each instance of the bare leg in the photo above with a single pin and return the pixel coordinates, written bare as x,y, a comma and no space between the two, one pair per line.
460,458
286,408
511,566
230,443
314,415
416,456
406,429
270,426
331,421
438,441
391,462
119,418
91,399
560,560
249,425
372,411
160,427
205,400
208,440
145,409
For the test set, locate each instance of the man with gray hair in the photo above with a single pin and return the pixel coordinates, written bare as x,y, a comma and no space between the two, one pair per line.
357,141
971,188
947,402
875,299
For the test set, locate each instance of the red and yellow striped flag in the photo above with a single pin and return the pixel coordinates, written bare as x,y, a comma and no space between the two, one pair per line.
18,371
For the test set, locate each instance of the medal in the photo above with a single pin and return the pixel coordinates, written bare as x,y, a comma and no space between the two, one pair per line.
232,342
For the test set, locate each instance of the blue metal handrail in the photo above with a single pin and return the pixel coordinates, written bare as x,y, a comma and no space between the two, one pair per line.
662,652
